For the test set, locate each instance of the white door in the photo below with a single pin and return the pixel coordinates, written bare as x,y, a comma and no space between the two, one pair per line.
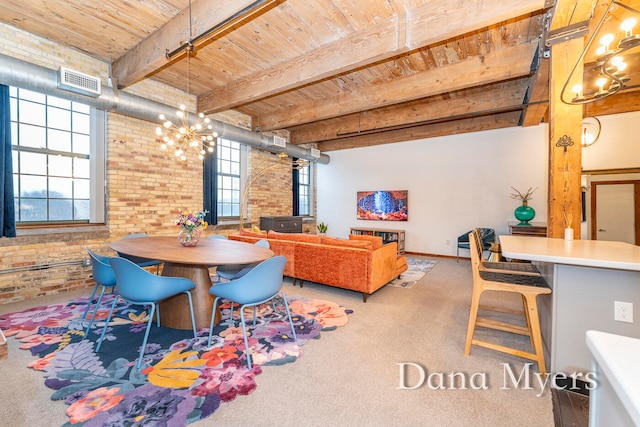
615,213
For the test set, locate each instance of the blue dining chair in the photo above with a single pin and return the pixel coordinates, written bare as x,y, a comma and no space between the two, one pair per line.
142,262
232,273
105,278
137,286
488,236
259,285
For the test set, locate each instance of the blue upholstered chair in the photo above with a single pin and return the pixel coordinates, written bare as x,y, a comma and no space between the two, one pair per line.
137,286
261,284
488,236
105,278
142,262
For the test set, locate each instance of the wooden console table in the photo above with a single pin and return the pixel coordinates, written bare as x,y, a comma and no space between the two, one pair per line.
538,229
388,236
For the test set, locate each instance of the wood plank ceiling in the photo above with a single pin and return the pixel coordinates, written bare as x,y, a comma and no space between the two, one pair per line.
338,73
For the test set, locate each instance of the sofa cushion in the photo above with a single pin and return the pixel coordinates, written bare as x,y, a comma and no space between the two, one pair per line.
249,233
358,244
376,241
294,237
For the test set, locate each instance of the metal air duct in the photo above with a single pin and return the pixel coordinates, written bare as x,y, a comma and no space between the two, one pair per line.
25,75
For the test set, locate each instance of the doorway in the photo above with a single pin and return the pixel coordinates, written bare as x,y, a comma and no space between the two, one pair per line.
615,211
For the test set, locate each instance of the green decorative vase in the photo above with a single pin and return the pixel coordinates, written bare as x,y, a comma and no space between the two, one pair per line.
524,213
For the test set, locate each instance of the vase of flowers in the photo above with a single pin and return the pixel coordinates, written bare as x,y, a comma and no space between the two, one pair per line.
190,223
524,213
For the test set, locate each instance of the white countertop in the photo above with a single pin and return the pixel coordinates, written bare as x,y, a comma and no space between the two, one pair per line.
617,357
590,253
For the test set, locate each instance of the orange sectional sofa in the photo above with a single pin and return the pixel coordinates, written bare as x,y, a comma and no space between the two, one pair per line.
361,263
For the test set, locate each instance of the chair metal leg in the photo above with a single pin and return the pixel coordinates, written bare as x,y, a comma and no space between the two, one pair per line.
95,310
93,294
146,335
158,315
193,319
106,323
213,315
244,334
286,306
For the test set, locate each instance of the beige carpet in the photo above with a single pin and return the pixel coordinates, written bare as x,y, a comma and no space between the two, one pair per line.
351,376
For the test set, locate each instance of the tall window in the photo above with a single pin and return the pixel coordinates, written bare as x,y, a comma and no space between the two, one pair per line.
229,155
54,173
304,191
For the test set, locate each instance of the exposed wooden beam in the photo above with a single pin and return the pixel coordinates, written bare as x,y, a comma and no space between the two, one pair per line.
538,96
490,98
621,102
426,25
149,55
497,121
477,71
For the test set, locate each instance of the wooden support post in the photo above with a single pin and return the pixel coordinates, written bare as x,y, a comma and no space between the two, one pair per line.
565,149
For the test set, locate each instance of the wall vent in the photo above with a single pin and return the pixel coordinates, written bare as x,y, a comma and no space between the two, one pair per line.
78,82
279,142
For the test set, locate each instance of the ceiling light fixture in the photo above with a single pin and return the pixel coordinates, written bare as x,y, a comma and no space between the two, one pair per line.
607,66
187,135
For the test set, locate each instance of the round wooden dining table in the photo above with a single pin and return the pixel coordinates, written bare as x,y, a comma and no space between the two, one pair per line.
192,263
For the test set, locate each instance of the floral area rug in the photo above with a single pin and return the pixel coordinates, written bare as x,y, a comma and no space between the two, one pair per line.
417,268
180,379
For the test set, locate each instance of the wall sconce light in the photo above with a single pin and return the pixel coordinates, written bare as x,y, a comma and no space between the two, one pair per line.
607,66
590,131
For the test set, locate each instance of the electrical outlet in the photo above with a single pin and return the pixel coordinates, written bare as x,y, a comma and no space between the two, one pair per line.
623,311
86,262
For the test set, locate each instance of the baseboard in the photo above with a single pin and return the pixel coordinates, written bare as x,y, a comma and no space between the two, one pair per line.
434,255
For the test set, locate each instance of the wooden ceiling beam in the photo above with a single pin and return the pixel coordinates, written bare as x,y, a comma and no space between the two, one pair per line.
426,25
538,96
476,124
621,102
492,98
477,71
149,55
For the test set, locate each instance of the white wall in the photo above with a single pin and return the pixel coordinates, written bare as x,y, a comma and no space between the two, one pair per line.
455,183
618,146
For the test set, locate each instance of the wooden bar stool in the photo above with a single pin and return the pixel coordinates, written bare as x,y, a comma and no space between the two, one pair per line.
529,286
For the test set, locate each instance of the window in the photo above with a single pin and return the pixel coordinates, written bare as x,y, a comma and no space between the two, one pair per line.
304,191
228,180
55,161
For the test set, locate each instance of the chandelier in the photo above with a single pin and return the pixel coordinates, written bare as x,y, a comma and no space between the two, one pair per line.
608,65
186,136
183,137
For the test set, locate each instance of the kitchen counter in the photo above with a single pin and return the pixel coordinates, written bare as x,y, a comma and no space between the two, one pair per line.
586,277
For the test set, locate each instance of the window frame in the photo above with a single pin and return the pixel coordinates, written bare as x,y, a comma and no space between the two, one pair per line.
96,157
242,166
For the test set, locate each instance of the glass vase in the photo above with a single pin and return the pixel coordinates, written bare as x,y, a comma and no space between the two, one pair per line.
189,237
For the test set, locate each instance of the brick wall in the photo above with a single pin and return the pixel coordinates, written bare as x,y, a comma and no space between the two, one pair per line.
145,186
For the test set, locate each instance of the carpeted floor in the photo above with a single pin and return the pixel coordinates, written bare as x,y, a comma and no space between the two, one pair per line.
350,377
